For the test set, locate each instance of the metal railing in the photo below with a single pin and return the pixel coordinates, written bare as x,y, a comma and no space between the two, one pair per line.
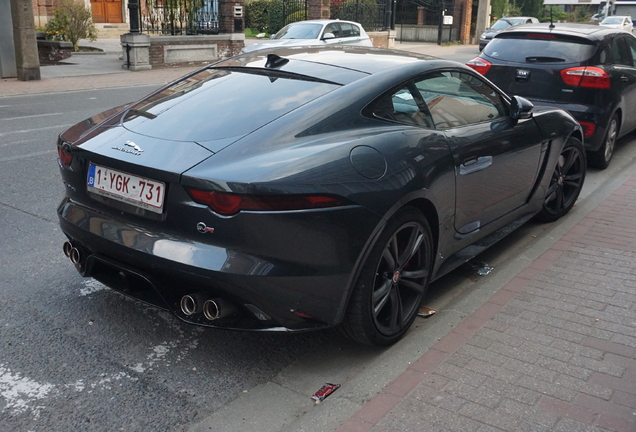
285,12
374,15
179,17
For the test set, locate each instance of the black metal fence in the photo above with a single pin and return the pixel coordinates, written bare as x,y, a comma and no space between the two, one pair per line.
179,17
283,12
414,17
374,15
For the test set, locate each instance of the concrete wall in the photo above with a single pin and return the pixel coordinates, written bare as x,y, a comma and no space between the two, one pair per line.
405,33
166,51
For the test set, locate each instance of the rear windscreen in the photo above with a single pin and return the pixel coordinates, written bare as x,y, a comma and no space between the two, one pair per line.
539,50
221,103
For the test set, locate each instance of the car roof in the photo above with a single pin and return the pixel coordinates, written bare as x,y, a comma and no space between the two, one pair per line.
591,32
352,62
323,21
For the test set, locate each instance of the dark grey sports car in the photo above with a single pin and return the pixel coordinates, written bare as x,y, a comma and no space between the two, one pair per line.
307,188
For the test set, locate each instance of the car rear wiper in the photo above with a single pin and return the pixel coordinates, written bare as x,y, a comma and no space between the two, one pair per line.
541,59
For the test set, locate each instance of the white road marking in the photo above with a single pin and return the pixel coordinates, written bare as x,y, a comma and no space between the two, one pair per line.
32,116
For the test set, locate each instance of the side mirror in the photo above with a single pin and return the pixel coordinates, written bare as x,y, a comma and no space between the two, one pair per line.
328,36
520,108
272,36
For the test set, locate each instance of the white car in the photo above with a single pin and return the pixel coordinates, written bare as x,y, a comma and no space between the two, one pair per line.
315,32
618,22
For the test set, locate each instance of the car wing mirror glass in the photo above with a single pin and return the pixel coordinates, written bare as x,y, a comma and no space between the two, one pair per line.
520,108
328,36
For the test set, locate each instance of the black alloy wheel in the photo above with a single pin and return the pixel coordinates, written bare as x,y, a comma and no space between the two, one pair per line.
566,182
602,157
393,281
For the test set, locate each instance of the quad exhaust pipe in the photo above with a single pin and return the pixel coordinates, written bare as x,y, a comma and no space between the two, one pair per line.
72,252
212,309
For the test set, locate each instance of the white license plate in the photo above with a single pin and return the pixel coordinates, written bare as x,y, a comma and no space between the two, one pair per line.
138,191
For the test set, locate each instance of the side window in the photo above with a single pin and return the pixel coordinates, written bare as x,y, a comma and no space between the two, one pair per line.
457,99
349,30
631,45
619,52
333,28
403,106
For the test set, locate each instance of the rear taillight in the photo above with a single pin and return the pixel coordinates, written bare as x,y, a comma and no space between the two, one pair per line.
588,128
591,77
228,204
480,65
65,158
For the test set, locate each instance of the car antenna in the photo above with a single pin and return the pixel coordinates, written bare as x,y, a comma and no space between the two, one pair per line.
551,26
275,61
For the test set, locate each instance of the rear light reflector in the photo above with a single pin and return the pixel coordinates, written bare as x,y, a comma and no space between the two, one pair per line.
540,35
65,158
228,204
588,128
480,65
591,77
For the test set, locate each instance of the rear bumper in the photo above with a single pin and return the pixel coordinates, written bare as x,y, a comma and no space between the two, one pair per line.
584,113
267,292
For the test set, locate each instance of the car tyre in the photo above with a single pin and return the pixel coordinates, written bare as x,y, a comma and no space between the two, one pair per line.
566,182
601,158
393,281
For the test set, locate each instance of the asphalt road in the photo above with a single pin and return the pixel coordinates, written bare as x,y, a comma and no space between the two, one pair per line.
76,356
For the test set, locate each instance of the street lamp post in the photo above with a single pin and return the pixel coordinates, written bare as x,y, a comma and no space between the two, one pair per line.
133,7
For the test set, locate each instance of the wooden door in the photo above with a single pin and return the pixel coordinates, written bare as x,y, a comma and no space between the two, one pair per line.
99,12
107,11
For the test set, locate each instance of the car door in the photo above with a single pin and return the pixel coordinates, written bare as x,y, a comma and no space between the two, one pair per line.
623,77
350,34
333,28
496,158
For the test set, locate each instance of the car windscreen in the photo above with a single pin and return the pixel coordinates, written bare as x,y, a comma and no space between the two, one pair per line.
299,31
613,20
500,25
539,49
517,21
221,103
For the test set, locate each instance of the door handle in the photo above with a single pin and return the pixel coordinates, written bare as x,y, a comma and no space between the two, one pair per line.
475,164
624,78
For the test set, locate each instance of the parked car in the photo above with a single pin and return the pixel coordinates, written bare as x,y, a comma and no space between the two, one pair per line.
315,32
309,188
587,70
618,22
503,24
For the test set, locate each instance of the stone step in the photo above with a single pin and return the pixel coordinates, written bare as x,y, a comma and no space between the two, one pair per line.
111,30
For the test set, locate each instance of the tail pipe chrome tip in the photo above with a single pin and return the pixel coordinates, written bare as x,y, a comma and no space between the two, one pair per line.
67,248
76,256
217,308
191,304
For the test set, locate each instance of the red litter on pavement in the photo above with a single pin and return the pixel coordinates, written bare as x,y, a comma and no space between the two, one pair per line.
324,391
426,312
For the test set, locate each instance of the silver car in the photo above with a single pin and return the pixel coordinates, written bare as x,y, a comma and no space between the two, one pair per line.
315,32
618,22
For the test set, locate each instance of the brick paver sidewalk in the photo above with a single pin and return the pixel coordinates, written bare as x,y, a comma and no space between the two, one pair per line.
553,350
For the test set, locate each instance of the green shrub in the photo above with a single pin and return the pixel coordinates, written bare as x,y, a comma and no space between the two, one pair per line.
71,22
275,17
256,15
